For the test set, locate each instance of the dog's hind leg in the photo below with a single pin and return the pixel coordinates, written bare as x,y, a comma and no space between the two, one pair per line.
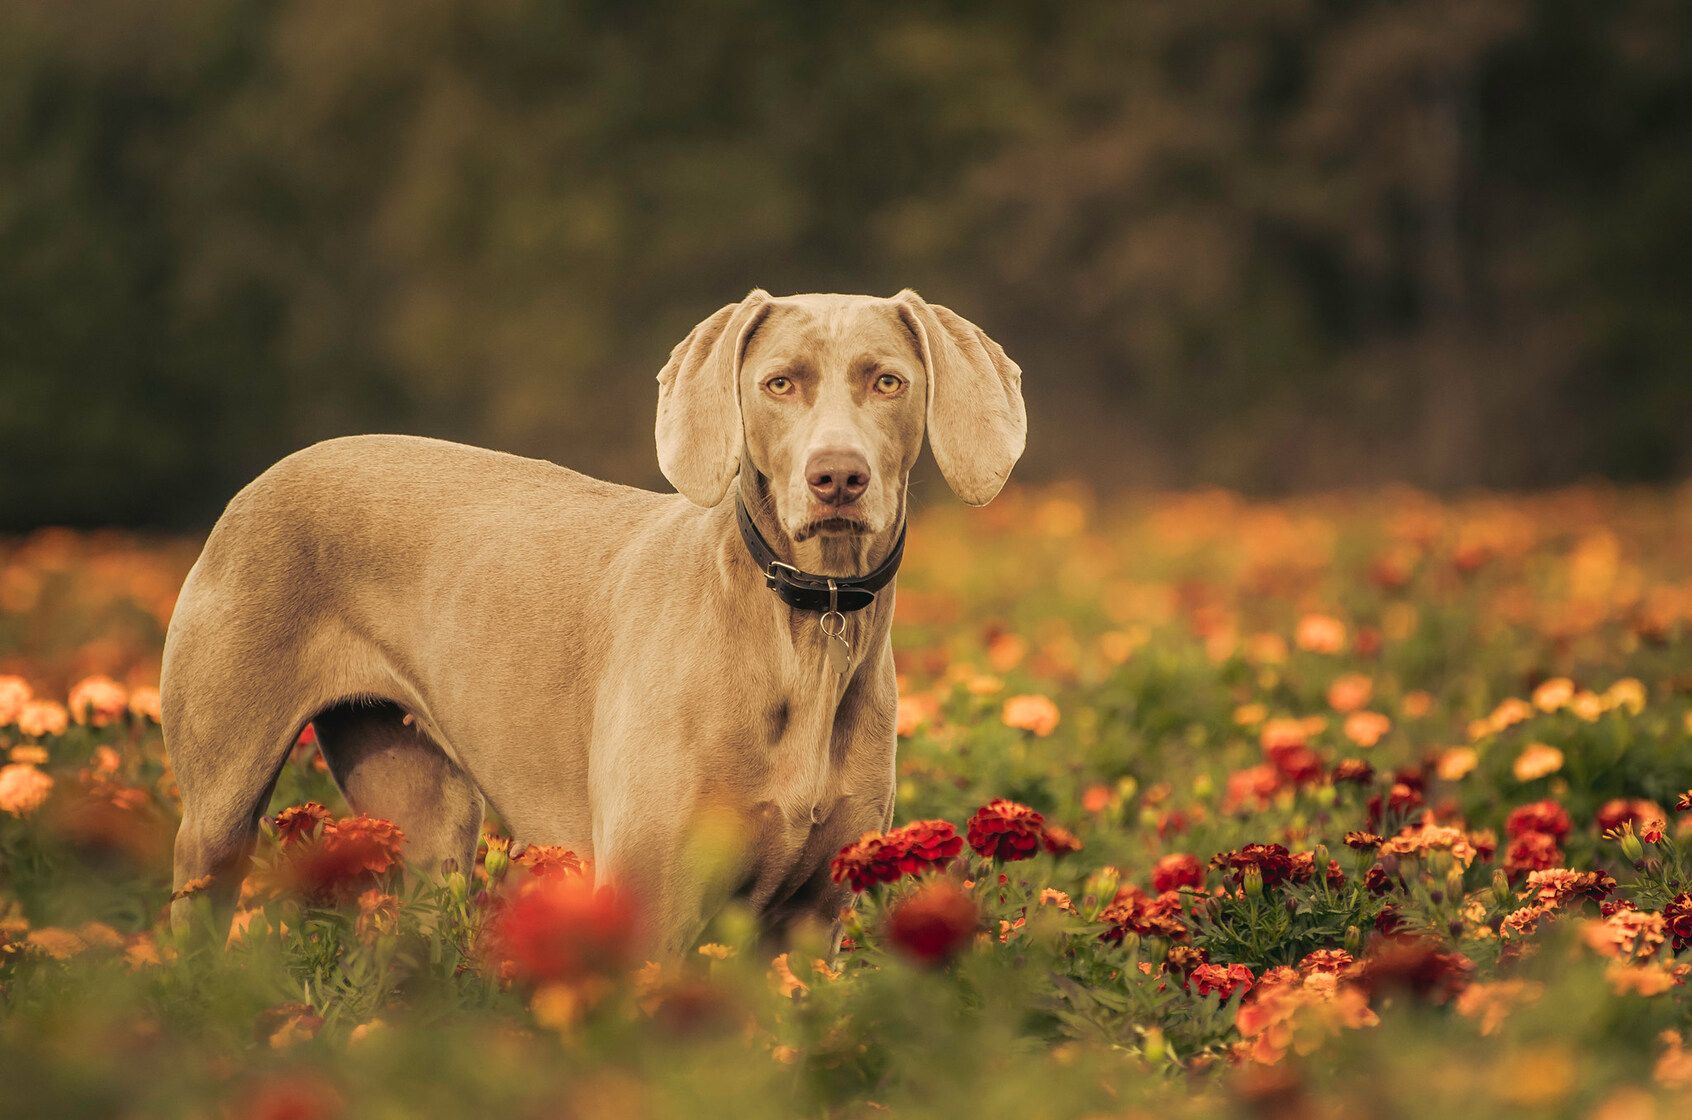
226,751
389,767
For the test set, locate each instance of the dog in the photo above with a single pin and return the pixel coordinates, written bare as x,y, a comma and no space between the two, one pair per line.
610,669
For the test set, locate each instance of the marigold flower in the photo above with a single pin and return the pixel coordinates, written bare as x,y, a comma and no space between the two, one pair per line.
14,694
1363,841
1532,851
865,862
560,930
1177,870
98,701
933,922
378,913
1272,861
1031,713
1131,911
543,860
913,712
300,822
1456,763
41,718
1006,830
1415,965
1366,728
1224,982
1059,841
144,704
1677,919
1683,803
1625,933
1350,692
1627,694
924,845
1354,770
1537,760
1320,633
1251,788
1096,798
1628,810
1554,694
1545,816
1490,1003
1336,961
345,855
23,788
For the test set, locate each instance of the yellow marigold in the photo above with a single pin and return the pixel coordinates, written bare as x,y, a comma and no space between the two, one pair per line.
1588,706
1554,694
1455,763
23,788
1536,761
716,951
1350,692
98,701
1248,715
1427,838
41,718
1366,728
781,975
1050,896
1320,633
1416,704
983,684
1511,711
1031,713
35,756
1627,694
14,694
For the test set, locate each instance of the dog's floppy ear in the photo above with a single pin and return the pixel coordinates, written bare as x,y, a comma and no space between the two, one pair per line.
976,422
699,402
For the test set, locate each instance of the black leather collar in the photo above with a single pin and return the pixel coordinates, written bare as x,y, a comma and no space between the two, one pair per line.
806,592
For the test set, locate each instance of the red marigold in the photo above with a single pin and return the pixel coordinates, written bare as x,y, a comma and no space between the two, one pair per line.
1532,851
1538,816
933,922
1223,981
300,822
1177,870
922,845
1182,959
1683,803
1006,830
1304,869
1628,810
559,930
865,862
1677,919
1295,762
1131,911
1401,798
1272,861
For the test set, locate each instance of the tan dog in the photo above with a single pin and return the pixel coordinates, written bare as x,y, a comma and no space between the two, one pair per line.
606,667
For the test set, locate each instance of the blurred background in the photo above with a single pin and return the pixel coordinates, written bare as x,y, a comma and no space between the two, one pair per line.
1275,245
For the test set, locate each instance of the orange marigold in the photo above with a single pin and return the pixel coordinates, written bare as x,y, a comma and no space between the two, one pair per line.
98,701
1031,713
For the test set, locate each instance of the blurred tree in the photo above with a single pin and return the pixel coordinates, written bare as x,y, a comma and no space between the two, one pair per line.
1279,244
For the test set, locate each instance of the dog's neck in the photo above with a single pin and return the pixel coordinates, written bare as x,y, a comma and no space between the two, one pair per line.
823,556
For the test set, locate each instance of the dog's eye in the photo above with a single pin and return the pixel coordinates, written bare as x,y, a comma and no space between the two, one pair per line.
889,383
779,386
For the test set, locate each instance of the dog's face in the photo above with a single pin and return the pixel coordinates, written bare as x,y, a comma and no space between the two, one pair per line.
828,398
832,390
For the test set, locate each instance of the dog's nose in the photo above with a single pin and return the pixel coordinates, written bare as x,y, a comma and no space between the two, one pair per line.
837,476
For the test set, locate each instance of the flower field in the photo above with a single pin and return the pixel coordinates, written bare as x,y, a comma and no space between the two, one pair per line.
1370,805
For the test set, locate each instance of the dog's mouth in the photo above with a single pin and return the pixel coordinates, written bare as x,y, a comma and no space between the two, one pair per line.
835,526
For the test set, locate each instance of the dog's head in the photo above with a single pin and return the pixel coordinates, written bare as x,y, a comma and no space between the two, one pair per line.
827,397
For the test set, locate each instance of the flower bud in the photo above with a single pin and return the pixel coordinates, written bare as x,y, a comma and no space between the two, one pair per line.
1454,882
1439,861
1353,940
497,863
1630,845
1154,1047
1501,887
458,886
1252,881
